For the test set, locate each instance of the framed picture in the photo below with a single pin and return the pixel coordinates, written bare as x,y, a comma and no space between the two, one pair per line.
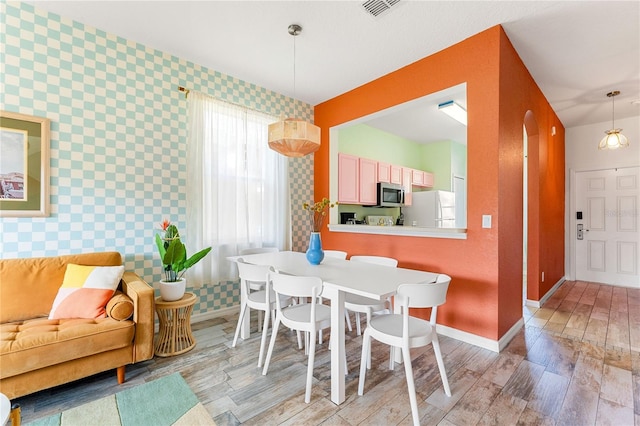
24,165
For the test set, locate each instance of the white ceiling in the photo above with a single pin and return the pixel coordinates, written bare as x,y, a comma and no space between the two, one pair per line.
576,51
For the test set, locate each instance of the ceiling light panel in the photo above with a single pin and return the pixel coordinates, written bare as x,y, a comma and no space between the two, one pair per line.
454,111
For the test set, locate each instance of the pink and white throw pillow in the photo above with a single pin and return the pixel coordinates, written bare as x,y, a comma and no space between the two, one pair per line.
85,291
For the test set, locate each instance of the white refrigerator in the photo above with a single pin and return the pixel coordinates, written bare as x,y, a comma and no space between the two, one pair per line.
432,209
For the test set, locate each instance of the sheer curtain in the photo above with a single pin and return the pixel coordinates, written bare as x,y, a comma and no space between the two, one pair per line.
237,188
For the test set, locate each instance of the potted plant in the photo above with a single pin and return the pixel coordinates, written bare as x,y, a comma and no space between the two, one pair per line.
175,262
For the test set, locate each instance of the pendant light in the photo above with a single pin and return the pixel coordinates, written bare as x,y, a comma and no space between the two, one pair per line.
293,137
614,138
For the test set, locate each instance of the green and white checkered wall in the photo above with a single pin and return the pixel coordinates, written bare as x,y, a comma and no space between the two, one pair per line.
118,140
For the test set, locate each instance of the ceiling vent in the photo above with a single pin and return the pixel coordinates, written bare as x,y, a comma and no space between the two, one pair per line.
378,7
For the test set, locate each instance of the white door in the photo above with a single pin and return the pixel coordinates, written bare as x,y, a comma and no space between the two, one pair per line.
607,247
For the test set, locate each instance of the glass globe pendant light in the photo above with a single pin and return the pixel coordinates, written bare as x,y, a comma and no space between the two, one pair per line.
614,139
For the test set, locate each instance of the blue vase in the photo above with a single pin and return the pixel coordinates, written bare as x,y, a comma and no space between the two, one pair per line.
315,253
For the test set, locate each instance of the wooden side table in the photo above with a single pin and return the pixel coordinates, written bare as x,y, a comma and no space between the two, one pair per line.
174,335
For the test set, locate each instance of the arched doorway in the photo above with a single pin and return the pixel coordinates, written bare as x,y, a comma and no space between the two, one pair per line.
531,212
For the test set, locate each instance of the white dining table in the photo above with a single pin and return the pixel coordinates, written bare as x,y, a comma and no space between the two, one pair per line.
340,277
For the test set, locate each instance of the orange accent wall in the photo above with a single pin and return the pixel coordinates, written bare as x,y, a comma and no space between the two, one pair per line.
486,268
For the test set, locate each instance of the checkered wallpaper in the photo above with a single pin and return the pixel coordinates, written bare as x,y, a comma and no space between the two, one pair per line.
118,140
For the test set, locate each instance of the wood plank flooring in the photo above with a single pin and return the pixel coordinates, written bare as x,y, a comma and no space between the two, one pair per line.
576,362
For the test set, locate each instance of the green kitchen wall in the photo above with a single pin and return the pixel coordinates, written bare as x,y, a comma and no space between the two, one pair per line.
365,141
118,140
444,159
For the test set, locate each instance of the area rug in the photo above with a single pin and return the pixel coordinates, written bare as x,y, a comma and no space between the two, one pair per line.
165,401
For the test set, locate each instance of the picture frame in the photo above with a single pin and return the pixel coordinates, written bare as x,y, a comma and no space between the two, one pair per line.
24,165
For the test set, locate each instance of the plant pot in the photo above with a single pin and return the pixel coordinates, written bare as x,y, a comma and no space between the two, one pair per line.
315,254
172,291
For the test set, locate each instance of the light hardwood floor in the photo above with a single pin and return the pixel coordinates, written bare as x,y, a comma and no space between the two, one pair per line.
576,362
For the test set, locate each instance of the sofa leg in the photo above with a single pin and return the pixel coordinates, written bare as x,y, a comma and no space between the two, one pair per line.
16,415
120,373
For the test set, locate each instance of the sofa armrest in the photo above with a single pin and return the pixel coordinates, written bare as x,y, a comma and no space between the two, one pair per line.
142,295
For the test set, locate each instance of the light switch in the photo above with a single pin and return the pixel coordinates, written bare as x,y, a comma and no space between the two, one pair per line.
486,221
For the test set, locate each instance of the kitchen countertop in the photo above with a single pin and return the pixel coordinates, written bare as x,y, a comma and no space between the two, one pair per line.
405,231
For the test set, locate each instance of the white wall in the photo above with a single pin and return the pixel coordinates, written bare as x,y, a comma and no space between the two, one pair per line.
581,150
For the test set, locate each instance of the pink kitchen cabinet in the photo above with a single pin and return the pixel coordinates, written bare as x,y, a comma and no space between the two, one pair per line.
384,172
406,184
348,179
357,180
396,174
368,181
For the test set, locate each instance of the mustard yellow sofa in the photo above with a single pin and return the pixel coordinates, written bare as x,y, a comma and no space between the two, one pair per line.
37,353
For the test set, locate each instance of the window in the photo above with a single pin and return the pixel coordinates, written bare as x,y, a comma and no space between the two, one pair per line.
237,193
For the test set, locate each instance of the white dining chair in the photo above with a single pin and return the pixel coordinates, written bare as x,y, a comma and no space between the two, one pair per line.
261,300
405,332
255,286
306,317
362,304
257,250
338,254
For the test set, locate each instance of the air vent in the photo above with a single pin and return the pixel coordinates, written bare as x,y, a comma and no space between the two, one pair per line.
378,7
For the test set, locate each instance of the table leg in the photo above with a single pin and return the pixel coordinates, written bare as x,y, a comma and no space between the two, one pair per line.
337,344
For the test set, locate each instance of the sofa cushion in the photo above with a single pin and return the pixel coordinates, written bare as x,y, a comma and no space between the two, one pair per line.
37,343
120,307
85,291
23,279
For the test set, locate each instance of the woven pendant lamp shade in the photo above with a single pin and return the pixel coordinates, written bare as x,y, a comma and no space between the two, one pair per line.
294,138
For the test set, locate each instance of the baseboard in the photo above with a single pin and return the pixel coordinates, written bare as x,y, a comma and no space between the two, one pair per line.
483,342
207,315
539,303
203,316
472,339
443,330
509,335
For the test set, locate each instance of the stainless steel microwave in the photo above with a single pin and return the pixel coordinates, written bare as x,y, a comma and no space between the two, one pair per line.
390,195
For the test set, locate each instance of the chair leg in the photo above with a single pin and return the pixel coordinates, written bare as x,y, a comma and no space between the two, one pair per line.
392,358
263,342
243,310
443,373
347,319
366,348
298,333
312,356
274,334
369,351
346,365
358,330
406,357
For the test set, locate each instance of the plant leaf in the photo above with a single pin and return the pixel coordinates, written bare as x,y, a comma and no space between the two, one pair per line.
196,258
175,255
161,248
